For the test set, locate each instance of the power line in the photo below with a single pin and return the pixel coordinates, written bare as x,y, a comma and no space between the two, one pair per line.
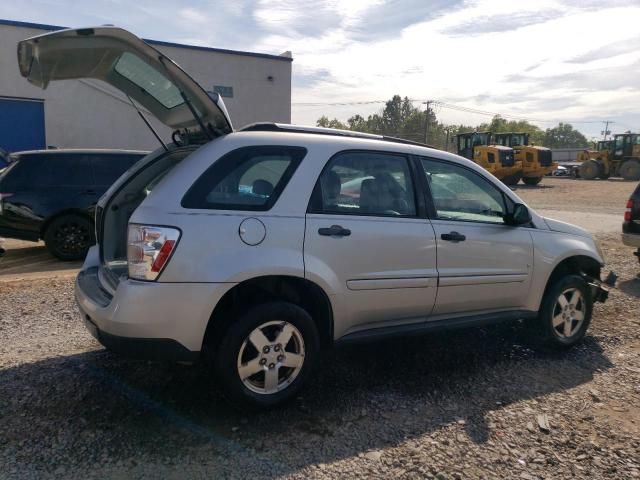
447,105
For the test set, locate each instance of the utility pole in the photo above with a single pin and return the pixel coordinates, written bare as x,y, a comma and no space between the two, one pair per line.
446,142
606,131
426,120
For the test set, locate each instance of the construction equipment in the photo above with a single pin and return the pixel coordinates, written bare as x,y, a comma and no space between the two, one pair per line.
536,161
496,159
619,157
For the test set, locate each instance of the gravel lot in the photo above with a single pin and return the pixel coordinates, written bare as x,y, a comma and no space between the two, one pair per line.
460,405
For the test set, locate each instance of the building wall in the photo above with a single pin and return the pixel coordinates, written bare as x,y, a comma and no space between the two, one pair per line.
90,114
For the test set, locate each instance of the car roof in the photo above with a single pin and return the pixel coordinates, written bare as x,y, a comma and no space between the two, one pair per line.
62,151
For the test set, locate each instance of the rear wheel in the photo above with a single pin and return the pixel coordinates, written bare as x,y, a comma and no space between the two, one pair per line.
265,357
69,237
532,180
630,170
565,313
589,170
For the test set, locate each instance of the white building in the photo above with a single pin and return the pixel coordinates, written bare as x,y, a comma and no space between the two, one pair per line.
89,114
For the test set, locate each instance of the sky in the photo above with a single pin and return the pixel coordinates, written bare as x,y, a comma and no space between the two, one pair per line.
576,61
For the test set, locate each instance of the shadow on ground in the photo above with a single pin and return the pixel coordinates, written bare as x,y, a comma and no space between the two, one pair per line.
94,406
630,287
27,258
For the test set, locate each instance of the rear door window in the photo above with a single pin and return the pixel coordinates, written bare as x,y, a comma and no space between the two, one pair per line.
107,168
249,178
365,183
68,170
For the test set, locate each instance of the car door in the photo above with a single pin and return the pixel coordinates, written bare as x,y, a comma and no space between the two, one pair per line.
483,264
68,183
366,238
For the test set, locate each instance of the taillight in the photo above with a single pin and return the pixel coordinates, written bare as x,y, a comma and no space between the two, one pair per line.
149,249
627,212
2,197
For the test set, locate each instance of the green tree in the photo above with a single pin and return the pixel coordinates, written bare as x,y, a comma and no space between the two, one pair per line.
564,136
499,124
324,121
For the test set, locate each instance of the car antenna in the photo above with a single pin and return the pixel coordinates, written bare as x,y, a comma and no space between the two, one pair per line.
144,119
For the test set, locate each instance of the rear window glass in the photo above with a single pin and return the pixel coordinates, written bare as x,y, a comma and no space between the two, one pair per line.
108,168
149,79
250,178
64,171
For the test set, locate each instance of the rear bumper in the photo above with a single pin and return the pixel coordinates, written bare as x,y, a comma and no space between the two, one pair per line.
152,320
142,348
631,239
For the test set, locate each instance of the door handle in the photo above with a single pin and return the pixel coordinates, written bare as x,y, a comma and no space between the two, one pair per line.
89,192
334,231
453,237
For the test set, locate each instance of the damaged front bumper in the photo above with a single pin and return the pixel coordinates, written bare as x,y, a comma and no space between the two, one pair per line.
598,292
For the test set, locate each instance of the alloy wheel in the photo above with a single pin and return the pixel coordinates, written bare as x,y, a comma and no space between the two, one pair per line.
271,357
568,313
72,238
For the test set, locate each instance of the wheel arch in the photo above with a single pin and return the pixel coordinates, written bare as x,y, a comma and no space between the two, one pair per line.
249,293
69,211
583,265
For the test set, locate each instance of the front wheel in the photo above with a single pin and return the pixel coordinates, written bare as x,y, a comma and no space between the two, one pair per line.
265,357
565,313
532,180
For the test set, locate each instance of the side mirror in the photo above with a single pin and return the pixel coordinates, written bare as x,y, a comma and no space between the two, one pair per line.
519,216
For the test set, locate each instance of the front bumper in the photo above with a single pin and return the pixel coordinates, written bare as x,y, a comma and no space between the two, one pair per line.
151,320
598,292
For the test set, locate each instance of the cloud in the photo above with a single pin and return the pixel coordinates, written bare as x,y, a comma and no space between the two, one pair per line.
502,23
608,51
389,18
307,18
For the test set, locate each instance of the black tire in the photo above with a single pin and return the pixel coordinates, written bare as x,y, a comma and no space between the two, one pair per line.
549,335
512,179
589,170
69,237
601,174
630,170
531,180
226,357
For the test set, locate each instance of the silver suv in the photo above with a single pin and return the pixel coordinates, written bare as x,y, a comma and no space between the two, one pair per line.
256,249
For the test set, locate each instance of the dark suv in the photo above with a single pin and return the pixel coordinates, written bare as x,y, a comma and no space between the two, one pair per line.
51,195
631,225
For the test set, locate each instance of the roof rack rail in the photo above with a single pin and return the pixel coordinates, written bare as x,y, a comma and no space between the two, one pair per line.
285,127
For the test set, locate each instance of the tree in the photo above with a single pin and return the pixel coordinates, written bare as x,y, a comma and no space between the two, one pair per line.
324,121
499,124
400,118
564,136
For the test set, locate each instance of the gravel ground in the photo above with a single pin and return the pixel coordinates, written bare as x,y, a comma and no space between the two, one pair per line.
467,404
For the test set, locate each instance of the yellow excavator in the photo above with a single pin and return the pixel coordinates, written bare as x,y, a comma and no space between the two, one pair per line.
536,161
619,157
496,159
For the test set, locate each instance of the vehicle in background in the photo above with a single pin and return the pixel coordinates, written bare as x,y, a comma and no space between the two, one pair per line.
498,160
4,159
619,157
560,171
631,224
535,161
51,195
